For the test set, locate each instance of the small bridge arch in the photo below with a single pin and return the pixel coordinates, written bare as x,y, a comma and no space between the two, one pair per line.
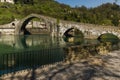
22,24
71,31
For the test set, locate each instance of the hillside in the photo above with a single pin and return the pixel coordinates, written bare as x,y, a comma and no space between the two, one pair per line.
106,14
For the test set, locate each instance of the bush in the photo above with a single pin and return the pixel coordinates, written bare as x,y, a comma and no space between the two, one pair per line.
108,37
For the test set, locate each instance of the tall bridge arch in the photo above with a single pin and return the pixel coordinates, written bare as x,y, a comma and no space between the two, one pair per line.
21,26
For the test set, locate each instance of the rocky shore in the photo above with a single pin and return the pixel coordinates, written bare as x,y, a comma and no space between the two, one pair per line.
102,67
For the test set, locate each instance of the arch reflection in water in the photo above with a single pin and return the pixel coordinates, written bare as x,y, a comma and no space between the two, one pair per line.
29,42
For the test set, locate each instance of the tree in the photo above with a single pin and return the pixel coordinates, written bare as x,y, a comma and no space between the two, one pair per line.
24,1
115,21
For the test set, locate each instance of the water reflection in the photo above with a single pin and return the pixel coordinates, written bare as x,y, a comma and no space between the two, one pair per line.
32,41
26,52
18,43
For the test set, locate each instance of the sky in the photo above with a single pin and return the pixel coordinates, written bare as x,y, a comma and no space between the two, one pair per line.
87,3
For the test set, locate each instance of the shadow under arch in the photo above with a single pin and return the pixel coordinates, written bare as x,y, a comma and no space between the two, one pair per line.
66,34
20,28
73,32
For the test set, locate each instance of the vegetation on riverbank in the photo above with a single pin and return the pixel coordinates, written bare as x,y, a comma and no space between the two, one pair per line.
106,14
108,37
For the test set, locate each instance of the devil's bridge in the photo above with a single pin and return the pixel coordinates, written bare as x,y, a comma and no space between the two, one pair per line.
35,51
58,27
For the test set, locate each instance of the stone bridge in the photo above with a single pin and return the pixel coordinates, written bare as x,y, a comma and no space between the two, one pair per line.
59,27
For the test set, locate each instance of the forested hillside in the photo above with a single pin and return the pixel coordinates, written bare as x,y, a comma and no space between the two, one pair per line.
106,14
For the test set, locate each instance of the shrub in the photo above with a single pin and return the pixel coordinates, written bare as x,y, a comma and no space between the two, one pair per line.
108,37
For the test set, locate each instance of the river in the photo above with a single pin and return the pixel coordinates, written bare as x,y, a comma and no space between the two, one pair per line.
26,52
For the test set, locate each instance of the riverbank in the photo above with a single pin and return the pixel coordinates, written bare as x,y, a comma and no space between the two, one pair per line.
104,67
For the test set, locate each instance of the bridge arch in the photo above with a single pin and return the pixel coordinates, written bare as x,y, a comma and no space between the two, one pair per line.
72,32
21,26
68,32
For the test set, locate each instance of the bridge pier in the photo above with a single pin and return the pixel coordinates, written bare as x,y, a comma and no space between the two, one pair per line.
55,30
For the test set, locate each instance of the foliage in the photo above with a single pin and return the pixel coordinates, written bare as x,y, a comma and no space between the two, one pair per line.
108,37
106,14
